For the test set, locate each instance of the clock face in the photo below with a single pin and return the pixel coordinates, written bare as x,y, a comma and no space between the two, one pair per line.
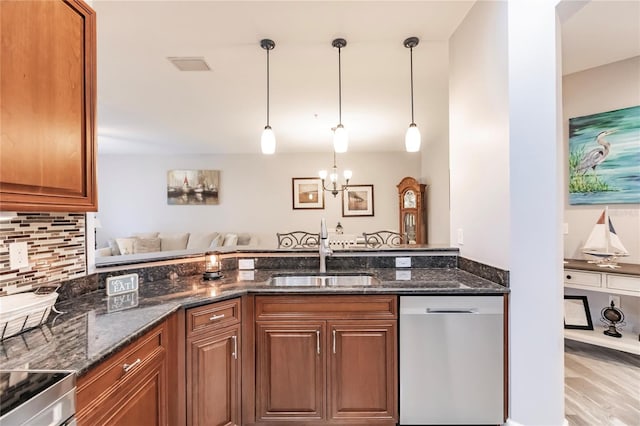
410,200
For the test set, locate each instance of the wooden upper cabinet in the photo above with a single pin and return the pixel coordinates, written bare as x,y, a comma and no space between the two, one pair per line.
47,106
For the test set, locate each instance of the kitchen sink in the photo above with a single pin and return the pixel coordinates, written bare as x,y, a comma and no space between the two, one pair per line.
316,280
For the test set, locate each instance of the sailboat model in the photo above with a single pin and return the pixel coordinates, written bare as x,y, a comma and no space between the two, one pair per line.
603,242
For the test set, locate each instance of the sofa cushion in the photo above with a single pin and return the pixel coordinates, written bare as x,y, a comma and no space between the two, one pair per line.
104,251
146,245
146,235
173,241
125,245
230,240
201,241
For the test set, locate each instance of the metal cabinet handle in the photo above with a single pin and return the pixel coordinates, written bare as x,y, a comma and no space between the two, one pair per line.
318,341
216,317
568,277
128,367
334,341
235,347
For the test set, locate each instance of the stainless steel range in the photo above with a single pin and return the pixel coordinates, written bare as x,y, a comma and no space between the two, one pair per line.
37,397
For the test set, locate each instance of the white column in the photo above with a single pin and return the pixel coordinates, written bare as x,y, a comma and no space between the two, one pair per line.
536,319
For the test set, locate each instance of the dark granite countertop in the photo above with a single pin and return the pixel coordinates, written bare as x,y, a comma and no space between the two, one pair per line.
92,327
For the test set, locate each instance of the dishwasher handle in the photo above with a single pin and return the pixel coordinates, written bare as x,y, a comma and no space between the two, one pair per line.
451,311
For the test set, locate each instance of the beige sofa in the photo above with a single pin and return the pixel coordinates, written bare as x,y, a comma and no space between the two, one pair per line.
158,242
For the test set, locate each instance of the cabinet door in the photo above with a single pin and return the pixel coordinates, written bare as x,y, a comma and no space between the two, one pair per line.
145,403
47,112
213,379
363,374
290,372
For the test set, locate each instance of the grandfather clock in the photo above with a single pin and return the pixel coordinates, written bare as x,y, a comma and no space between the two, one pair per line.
412,210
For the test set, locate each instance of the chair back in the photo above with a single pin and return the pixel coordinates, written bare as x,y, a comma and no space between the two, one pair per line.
298,239
383,239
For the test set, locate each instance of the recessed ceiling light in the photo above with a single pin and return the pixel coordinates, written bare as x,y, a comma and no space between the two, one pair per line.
189,64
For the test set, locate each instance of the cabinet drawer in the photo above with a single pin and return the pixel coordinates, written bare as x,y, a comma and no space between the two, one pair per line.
98,383
623,282
586,279
326,307
213,316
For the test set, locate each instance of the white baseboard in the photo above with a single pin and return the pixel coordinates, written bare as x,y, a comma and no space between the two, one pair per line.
510,422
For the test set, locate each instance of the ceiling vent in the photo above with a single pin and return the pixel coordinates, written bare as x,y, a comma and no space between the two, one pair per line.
189,64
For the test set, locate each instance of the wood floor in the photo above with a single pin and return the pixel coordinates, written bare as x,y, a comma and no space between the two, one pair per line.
602,386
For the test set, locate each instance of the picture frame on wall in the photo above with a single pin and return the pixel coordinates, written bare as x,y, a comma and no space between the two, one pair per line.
193,187
603,155
576,313
307,193
357,200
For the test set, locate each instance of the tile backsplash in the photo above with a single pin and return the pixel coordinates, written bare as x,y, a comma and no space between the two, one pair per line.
56,247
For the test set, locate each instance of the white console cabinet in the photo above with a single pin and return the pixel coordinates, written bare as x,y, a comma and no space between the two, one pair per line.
625,281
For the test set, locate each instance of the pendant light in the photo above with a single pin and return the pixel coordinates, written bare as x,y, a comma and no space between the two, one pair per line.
340,136
412,138
268,139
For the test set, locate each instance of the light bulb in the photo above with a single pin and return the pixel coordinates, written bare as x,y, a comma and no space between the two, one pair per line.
412,138
340,139
333,176
268,141
348,174
322,174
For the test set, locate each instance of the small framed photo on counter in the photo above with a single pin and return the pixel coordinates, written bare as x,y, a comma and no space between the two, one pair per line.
576,313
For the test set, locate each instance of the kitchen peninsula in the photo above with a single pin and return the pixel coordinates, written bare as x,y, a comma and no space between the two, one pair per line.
179,314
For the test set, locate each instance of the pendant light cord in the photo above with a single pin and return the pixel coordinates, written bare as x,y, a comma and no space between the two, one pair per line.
411,61
267,87
339,86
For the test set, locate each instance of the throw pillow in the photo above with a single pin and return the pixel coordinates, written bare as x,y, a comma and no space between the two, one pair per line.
170,242
146,245
217,241
146,234
113,245
244,239
230,240
125,245
201,241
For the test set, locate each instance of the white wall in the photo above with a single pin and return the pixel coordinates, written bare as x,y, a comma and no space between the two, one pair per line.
479,135
435,148
600,89
255,193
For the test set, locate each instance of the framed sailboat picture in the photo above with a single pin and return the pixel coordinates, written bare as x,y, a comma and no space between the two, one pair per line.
604,157
193,187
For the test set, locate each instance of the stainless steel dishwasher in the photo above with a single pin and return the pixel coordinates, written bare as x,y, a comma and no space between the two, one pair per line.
451,360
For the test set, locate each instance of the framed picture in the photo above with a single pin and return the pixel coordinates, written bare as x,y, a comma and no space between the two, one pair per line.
576,313
193,187
603,157
357,200
307,193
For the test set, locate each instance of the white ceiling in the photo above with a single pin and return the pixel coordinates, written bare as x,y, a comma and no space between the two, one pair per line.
599,33
146,105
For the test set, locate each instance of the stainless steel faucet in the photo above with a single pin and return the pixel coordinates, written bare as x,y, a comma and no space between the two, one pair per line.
324,248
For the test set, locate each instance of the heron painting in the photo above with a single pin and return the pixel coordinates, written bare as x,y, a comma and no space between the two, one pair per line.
604,157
